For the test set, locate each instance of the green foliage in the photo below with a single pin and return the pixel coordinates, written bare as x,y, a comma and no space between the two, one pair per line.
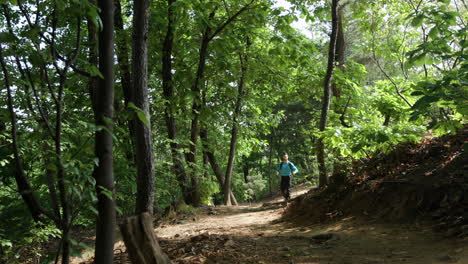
405,72
208,188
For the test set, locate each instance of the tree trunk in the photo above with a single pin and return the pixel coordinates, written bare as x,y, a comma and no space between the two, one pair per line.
245,169
124,70
105,224
143,138
234,132
141,242
24,188
387,120
168,93
269,172
196,108
214,163
339,49
323,177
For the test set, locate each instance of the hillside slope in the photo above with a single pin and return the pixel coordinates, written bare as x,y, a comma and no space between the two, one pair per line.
425,181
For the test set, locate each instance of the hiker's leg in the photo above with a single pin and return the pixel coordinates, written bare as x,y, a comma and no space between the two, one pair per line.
283,186
288,188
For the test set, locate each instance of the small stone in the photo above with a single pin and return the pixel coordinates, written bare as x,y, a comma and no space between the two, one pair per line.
229,243
177,235
283,249
200,237
448,259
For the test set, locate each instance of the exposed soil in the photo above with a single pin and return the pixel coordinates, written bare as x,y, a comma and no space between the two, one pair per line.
384,211
256,234
415,182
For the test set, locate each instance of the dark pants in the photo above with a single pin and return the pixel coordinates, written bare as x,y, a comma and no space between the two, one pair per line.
285,185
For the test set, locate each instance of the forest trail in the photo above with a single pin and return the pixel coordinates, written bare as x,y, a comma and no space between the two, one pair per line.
254,234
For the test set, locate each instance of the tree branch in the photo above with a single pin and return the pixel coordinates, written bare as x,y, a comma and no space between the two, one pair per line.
229,20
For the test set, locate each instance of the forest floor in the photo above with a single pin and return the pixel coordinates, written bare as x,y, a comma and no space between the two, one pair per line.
255,233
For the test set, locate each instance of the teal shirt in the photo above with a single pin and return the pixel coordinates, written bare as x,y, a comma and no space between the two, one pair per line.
285,170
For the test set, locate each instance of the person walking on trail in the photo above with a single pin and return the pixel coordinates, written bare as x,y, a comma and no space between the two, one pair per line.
286,169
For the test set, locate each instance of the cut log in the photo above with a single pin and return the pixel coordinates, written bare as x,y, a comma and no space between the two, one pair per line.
141,242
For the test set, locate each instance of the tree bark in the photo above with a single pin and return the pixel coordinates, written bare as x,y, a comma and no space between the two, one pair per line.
214,163
22,182
125,74
234,131
387,119
245,169
323,177
105,224
143,138
269,172
339,49
196,108
141,242
168,93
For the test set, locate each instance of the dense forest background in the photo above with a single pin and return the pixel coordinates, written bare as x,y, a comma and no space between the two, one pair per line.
206,96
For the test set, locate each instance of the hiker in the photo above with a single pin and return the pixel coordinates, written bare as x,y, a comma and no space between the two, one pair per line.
286,169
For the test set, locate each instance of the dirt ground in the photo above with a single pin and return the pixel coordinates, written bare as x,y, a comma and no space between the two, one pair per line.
255,234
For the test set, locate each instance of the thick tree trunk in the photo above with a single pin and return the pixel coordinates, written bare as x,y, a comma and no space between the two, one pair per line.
168,93
143,137
234,132
105,224
323,177
141,242
24,188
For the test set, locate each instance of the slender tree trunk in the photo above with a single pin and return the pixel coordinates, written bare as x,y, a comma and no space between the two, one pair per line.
168,93
196,108
234,132
66,216
323,177
339,50
387,120
269,171
105,225
245,169
24,188
122,51
143,138
214,163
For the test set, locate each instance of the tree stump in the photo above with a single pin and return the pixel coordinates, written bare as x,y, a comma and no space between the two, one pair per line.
141,242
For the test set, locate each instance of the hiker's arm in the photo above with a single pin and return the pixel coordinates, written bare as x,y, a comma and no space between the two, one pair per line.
295,170
278,169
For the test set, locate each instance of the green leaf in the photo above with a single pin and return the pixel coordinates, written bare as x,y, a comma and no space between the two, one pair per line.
417,93
7,37
94,71
425,101
434,33
417,21
140,114
142,117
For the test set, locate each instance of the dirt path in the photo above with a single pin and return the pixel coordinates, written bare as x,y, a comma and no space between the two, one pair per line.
253,234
